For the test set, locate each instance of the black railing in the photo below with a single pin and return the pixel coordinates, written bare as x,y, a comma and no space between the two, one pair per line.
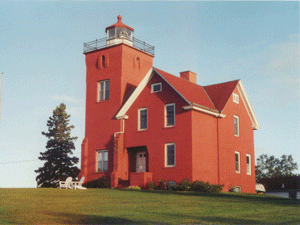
104,42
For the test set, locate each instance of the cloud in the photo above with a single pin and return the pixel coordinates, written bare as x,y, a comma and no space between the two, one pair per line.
64,98
281,72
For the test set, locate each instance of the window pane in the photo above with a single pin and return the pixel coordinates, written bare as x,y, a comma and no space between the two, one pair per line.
170,155
143,119
170,115
105,166
105,156
101,91
106,90
237,162
100,166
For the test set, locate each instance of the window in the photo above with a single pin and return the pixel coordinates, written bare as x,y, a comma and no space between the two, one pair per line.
170,115
170,154
235,98
103,90
103,61
237,162
156,87
102,160
236,126
143,119
248,162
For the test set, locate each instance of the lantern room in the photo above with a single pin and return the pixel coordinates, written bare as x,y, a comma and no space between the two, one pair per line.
119,33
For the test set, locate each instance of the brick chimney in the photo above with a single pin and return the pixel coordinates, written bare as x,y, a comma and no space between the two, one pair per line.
189,75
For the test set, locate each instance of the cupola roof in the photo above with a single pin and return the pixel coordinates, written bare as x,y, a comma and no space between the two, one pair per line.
119,24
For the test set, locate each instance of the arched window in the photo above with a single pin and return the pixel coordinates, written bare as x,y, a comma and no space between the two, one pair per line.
103,61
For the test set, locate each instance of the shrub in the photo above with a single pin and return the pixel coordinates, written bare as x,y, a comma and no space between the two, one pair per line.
186,185
151,186
161,185
200,186
134,188
102,182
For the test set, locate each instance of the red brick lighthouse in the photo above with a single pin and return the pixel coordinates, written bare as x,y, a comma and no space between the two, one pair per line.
143,124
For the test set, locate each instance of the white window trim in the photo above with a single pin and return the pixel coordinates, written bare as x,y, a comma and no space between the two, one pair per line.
104,93
139,119
248,166
166,154
239,161
235,98
238,126
166,115
97,153
152,87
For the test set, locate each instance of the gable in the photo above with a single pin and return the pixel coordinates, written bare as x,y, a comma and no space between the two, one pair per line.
220,93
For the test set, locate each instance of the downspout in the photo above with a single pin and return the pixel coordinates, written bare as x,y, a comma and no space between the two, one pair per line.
123,127
218,149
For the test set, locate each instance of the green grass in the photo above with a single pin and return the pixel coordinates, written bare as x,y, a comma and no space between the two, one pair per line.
108,206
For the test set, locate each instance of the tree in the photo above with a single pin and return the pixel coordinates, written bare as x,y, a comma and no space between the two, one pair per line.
267,167
59,165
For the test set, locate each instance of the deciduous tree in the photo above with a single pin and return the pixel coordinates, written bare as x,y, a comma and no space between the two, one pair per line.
267,167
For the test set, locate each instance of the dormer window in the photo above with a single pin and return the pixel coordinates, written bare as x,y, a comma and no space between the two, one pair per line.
155,87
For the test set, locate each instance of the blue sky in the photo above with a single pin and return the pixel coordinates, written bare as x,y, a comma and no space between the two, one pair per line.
41,45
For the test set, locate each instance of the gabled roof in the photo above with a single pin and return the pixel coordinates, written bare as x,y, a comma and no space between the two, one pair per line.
209,99
194,93
220,93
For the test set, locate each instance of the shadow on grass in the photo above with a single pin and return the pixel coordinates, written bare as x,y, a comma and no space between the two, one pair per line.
71,218
248,197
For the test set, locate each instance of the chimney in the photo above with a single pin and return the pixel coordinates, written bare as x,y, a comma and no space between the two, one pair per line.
189,75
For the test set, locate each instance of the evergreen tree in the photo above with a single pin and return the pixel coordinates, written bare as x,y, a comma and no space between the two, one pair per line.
59,165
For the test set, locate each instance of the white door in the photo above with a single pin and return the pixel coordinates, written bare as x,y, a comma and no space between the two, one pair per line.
141,159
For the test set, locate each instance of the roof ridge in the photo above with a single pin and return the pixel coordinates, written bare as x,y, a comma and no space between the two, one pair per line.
222,83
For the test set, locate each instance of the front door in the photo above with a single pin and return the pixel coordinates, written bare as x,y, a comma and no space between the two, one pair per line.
141,159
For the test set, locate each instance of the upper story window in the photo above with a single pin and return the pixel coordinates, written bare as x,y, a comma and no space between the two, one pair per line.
103,90
170,154
143,119
248,163
236,126
155,87
102,160
170,115
235,98
237,162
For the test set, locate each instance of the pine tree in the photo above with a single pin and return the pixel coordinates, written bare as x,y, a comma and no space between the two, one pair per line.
59,165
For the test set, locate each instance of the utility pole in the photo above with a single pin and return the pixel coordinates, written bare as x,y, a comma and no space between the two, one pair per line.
1,87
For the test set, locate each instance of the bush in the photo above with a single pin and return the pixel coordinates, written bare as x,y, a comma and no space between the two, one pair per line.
102,182
134,188
151,186
161,185
186,185
200,186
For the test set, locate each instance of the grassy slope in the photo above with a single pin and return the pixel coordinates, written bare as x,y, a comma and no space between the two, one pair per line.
104,206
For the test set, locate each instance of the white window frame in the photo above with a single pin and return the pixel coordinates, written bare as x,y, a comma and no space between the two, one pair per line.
248,165
105,151
103,92
139,119
166,115
166,154
153,85
235,98
237,164
236,128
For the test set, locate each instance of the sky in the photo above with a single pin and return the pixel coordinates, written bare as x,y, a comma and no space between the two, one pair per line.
41,55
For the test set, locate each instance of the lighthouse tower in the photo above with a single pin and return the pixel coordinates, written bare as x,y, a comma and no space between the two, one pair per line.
115,65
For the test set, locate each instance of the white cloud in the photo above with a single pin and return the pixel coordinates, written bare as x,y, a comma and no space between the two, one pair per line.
64,98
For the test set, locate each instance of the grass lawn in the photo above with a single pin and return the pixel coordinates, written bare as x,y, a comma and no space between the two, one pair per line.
108,206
